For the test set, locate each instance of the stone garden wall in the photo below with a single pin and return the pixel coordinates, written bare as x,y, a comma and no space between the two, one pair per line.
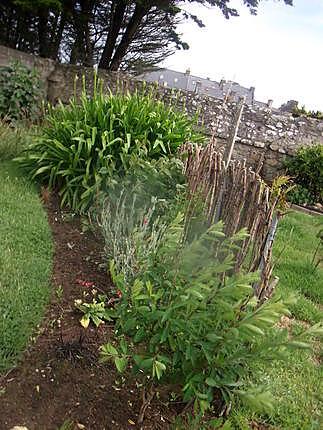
264,135
45,66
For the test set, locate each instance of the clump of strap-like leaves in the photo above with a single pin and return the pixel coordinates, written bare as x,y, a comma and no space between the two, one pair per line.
90,141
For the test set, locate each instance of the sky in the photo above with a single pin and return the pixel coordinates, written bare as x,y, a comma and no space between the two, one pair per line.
279,51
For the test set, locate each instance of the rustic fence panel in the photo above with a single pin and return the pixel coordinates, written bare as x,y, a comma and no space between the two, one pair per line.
241,199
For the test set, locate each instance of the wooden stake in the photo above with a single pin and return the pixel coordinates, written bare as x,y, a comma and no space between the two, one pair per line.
234,132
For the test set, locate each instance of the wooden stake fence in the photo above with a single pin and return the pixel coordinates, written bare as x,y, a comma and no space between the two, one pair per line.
237,195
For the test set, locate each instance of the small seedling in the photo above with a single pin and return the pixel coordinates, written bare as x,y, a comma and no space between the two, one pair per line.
59,292
94,311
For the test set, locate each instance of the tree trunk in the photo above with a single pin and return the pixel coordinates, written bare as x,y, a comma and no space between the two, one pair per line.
127,38
43,31
57,37
86,18
117,14
82,51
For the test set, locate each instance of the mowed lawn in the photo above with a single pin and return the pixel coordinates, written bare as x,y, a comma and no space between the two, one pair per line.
294,249
296,384
25,263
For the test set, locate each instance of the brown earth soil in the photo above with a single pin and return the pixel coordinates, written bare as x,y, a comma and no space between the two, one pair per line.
59,377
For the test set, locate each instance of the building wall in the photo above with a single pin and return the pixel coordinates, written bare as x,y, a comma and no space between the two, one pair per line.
263,136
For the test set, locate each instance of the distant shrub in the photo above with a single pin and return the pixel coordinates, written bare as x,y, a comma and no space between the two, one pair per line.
13,140
300,196
302,111
87,143
20,92
306,168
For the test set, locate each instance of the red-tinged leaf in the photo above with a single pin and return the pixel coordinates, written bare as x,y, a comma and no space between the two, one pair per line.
89,284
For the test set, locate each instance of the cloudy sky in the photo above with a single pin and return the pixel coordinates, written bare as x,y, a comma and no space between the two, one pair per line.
280,51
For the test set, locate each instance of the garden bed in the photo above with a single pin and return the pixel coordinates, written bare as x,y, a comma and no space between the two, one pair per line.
59,377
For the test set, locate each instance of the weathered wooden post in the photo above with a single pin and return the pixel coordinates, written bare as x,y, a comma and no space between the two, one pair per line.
234,132
228,153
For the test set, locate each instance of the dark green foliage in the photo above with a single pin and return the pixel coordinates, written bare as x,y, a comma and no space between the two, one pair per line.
300,196
20,92
306,167
86,144
193,325
117,34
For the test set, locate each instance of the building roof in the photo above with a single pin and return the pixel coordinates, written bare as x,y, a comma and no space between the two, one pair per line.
185,81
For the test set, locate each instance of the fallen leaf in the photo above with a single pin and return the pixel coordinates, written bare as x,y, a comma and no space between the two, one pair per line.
116,388
84,283
19,428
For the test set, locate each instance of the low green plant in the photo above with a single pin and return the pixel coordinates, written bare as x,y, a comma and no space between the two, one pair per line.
20,92
59,292
67,425
90,141
187,320
198,423
306,168
95,312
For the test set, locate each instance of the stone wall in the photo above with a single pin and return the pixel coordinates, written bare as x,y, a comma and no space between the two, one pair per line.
45,66
263,136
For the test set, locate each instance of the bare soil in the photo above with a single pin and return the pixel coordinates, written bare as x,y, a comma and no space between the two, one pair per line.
59,377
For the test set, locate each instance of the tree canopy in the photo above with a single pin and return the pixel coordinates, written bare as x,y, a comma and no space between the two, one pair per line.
116,34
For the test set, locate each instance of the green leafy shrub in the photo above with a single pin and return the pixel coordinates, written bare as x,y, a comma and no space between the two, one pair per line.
13,140
185,320
300,196
20,92
306,167
87,143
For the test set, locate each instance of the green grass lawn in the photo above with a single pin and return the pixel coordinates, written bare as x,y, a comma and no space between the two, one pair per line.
296,239
295,383
25,263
